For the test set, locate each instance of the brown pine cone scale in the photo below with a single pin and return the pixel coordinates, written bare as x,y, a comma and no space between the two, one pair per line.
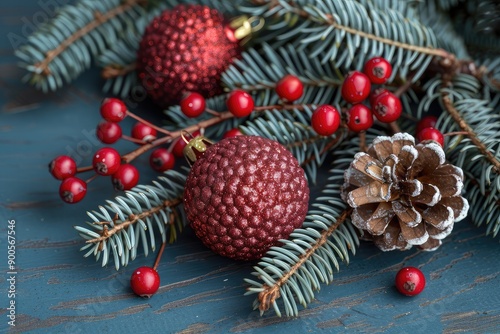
404,194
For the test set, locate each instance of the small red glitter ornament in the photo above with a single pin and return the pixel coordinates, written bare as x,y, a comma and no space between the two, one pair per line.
243,194
185,49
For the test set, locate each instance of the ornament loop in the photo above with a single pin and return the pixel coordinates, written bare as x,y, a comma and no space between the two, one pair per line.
243,27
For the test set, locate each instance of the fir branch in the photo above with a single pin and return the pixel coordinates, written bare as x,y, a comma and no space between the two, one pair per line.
132,219
347,32
295,269
269,294
120,226
63,48
99,19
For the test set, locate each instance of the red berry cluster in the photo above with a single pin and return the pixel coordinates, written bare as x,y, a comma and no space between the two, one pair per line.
358,86
107,161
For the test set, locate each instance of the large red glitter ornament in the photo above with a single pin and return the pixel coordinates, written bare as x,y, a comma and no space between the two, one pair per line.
185,49
244,194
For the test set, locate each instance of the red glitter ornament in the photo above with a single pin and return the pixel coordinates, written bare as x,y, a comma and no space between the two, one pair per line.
244,194
185,49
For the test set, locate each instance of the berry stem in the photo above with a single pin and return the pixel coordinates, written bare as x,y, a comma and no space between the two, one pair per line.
143,121
158,257
92,178
84,169
134,140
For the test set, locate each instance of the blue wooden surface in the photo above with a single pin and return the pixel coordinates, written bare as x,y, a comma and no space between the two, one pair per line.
58,291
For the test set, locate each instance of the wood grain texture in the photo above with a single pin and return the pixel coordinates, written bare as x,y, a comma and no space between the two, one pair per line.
59,291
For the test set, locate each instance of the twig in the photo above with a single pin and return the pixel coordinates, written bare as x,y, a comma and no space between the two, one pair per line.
362,141
470,133
270,293
113,71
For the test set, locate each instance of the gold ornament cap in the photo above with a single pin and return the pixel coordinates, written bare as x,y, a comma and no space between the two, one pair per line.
195,146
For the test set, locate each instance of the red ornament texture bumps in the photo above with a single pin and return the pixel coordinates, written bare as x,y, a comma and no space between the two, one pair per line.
404,194
184,49
244,194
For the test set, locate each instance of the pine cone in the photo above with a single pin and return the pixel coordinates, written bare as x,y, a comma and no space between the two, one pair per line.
404,194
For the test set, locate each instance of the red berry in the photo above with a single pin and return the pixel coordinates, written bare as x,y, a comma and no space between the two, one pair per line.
193,105
426,122
410,281
378,70
356,87
387,107
289,88
109,132
106,161
62,167
232,133
376,93
113,110
325,120
125,178
72,190
431,134
161,160
178,149
240,103
143,132
145,281
360,118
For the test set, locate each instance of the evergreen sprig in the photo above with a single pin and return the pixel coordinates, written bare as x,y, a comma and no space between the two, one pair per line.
65,47
349,33
120,226
311,255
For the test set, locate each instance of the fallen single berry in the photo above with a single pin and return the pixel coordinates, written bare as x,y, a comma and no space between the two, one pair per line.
145,281
410,281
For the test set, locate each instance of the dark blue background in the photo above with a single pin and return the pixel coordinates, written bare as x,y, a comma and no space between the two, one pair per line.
59,291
